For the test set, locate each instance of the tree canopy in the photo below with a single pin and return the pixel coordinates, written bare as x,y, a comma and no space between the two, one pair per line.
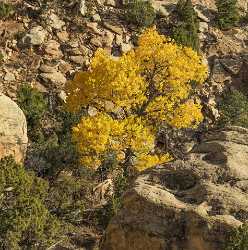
135,94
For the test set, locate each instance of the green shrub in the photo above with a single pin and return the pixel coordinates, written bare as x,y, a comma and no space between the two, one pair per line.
5,10
239,239
67,196
186,30
115,203
55,152
25,221
32,103
234,109
140,13
228,15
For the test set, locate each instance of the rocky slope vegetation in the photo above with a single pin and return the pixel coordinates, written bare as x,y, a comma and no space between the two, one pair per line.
45,43
191,204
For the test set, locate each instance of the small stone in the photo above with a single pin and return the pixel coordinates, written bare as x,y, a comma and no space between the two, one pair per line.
108,39
116,29
65,67
110,3
160,9
118,39
52,49
47,69
92,111
36,36
109,106
40,87
63,36
9,77
82,7
78,59
125,47
73,44
93,27
96,18
201,15
75,52
55,22
96,41
62,95
203,27
54,77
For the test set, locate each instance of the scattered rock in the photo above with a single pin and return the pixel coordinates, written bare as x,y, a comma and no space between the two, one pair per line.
63,36
203,27
114,28
201,15
110,3
78,59
64,67
93,26
9,77
57,78
92,111
47,68
96,18
82,7
54,21
108,39
62,96
161,9
96,41
125,47
53,49
36,36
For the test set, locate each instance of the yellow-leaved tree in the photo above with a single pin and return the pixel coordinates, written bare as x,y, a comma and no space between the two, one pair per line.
149,86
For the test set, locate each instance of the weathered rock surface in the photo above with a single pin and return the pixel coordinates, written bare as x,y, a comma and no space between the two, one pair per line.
187,205
13,130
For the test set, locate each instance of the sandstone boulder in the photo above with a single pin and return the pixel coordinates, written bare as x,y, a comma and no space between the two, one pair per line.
187,205
13,130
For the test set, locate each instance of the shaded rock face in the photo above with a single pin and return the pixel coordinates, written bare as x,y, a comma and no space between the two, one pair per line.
13,130
187,205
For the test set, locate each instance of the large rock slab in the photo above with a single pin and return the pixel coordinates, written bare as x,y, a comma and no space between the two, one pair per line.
13,129
187,205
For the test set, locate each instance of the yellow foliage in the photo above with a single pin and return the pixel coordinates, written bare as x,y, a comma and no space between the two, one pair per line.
146,161
150,84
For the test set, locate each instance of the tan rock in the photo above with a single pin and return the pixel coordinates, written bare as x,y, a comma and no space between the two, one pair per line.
54,21
114,28
189,205
56,77
36,36
65,67
63,36
47,68
13,130
96,41
52,48
93,26
78,59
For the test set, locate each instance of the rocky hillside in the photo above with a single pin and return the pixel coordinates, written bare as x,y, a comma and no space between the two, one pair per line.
44,43
191,204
